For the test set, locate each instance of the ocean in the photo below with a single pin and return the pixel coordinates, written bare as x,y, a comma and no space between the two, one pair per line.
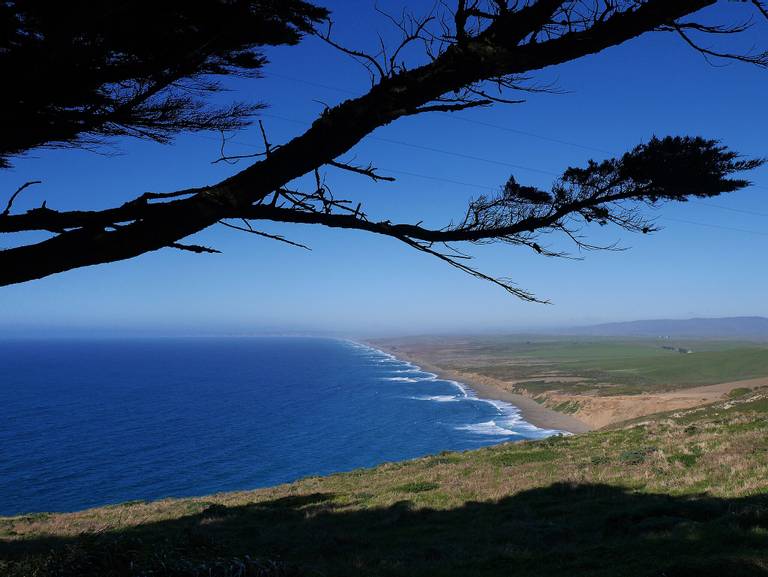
93,422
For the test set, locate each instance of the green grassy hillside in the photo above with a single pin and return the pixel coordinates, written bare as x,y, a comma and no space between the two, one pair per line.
682,494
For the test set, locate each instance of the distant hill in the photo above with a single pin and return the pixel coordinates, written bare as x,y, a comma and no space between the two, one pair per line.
753,328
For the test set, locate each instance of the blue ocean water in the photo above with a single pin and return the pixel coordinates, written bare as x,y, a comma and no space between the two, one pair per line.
92,422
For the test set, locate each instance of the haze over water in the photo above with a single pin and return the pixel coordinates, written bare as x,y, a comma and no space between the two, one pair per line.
91,422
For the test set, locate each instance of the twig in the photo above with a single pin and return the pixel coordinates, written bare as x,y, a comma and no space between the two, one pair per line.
194,248
7,210
368,171
267,146
450,107
356,54
251,230
234,158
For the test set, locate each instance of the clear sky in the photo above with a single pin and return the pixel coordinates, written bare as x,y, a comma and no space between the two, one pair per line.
708,261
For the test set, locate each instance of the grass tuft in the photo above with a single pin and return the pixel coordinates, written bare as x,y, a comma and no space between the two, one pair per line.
417,487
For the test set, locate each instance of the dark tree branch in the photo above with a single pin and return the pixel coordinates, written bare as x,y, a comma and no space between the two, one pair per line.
504,283
757,59
591,193
761,7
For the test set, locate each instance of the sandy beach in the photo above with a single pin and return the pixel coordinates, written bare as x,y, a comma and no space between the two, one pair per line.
486,388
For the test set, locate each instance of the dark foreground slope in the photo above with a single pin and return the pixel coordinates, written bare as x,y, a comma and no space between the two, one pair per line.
681,494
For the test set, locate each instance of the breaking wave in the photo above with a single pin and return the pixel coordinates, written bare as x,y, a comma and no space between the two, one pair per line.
506,420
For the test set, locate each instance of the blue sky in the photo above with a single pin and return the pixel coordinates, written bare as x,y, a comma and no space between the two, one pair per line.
708,260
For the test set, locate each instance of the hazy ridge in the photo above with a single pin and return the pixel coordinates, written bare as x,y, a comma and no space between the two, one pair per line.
753,327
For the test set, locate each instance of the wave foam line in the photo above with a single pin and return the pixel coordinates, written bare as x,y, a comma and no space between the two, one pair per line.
509,421
488,428
437,398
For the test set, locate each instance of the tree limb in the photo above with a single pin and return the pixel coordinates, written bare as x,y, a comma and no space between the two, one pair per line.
503,48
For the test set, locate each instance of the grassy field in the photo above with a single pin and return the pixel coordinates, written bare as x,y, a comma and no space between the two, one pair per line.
609,366
682,494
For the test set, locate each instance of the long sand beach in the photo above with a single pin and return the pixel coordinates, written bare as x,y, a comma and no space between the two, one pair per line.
486,388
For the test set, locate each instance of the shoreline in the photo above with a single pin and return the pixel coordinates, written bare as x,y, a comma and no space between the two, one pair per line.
531,411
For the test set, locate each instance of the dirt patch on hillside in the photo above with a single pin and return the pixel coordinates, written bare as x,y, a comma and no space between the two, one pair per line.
599,411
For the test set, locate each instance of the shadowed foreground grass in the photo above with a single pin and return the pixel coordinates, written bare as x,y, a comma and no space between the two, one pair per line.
678,495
